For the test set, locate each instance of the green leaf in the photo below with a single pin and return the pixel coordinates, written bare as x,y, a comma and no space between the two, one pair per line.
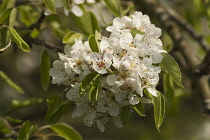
93,44
35,33
50,5
56,109
87,23
67,37
93,94
94,21
139,108
26,131
159,107
59,33
10,82
70,38
6,4
3,36
88,81
168,86
45,67
125,113
52,102
66,131
19,41
4,127
12,17
28,15
97,38
113,7
13,120
19,104
5,16
168,63
66,4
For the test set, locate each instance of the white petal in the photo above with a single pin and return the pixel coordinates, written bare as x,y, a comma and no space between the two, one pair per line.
117,121
113,110
79,1
156,58
87,122
91,1
72,95
133,99
80,110
100,108
111,79
66,11
58,3
77,10
47,12
152,91
100,126
91,114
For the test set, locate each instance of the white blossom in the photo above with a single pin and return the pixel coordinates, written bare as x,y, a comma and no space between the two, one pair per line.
127,62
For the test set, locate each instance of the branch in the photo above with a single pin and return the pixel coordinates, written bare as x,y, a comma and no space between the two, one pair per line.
39,22
205,65
185,25
155,8
45,44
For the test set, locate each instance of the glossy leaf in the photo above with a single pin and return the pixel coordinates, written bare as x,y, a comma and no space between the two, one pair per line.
10,82
4,37
88,23
50,5
93,94
59,33
13,120
168,86
113,7
52,102
93,44
6,4
168,63
125,114
66,131
139,108
18,40
66,4
26,131
4,127
56,108
98,38
87,81
71,37
12,17
45,67
19,104
159,107
59,111
5,16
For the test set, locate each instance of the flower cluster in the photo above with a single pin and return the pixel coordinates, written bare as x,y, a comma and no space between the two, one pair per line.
75,8
127,62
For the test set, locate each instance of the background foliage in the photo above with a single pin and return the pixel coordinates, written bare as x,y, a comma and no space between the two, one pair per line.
26,93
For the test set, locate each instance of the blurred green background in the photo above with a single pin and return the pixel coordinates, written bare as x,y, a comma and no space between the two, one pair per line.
184,119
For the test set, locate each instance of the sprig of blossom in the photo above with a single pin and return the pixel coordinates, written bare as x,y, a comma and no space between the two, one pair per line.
74,7
127,62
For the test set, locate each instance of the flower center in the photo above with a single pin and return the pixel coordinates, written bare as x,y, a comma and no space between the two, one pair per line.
101,64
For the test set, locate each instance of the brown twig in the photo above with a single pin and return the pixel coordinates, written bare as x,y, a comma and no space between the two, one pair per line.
45,44
155,8
186,26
